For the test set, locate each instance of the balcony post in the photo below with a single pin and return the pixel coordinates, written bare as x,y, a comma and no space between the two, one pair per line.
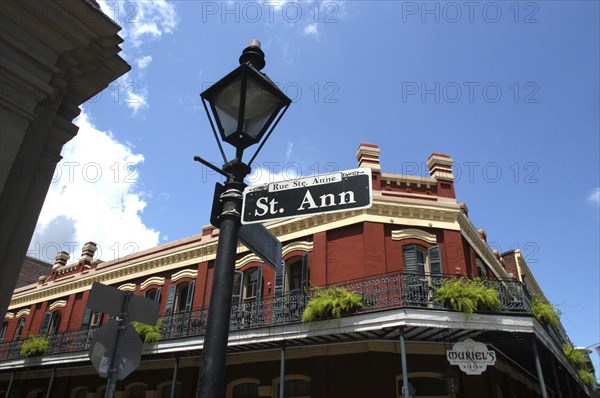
282,371
10,383
50,383
568,382
405,392
538,367
174,381
556,382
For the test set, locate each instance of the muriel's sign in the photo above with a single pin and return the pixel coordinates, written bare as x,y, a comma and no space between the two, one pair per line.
326,193
472,357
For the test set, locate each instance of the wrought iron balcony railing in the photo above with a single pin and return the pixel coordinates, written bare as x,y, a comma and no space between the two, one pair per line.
384,292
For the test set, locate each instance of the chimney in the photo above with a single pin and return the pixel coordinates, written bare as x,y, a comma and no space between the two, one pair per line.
482,234
87,253
440,168
368,156
61,260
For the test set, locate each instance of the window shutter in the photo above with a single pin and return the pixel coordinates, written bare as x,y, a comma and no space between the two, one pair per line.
305,273
157,297
87,315
170,299
45,323
279,280
410,259
19,330
238,284
259,283
190,296
435,260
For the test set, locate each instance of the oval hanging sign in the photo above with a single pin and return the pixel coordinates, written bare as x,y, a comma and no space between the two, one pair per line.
472,357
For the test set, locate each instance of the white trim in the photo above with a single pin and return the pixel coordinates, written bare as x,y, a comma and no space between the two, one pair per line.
153,280
184,273
413,233
25,311
9,315
57,304
127,287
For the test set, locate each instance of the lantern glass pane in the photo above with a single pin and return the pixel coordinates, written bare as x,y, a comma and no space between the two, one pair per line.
227,105
260,105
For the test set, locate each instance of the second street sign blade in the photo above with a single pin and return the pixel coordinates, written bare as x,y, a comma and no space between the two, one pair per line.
325,193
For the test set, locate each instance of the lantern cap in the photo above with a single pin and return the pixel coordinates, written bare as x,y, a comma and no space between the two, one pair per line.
253,55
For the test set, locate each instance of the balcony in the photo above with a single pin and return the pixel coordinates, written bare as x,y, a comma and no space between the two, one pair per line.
379,293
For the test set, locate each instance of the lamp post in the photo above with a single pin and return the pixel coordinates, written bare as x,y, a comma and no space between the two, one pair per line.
245,104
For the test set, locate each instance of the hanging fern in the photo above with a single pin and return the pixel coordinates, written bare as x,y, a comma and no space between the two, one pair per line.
331,302
148,333
587,377
574,355
34,345
544,312
467,296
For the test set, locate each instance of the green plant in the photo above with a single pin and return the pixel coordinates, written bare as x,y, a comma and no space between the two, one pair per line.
34,345
587,377
467,295
544,312
331,302
148,333
576,357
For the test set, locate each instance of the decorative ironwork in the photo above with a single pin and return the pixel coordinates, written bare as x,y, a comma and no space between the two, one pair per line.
383,292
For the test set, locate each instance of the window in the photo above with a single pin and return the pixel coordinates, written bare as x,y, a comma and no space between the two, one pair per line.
164,390
37,393
480,268
291,282
153,294
3,331
178,309
245,390
50,323
91,319
423,269
19,330
296,386
247,294
424,385
79,392
136,391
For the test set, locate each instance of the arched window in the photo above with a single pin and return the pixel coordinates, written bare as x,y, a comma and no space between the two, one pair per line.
178,309
247,298
3,331
424,384
137,390
423,268
153,294
291,283
164,390
50,323
243,388
296,386
37,393
480,268
79,392
19,330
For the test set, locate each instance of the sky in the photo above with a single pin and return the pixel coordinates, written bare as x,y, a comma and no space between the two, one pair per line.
509,89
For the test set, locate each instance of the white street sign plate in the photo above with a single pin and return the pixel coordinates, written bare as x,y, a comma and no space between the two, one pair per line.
325,193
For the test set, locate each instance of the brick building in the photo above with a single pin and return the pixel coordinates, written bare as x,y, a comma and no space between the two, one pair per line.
415,239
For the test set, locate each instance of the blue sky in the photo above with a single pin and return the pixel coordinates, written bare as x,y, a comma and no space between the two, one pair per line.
509,89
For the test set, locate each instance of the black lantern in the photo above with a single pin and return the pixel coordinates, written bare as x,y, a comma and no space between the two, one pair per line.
245,102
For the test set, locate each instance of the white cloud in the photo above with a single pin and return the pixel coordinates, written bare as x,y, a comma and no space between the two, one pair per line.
93,197
261,175
594,197
144,61
311,30
289,151
142,20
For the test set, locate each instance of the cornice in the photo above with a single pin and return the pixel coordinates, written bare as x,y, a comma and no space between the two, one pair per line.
414,234
470,233
299,245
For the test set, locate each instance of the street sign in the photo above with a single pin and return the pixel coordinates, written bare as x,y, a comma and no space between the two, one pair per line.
103,345
109,300
261,242
325,193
